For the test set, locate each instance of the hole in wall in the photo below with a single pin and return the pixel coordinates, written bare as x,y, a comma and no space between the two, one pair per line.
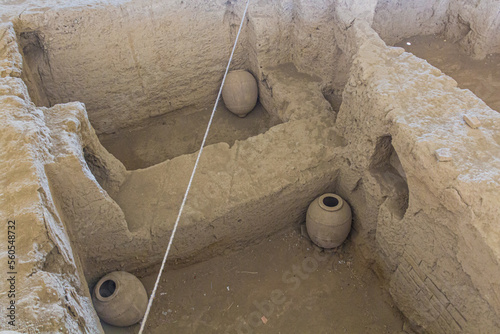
387,169
96,166
333,96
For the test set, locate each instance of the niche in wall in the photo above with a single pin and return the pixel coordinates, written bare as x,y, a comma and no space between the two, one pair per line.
387,170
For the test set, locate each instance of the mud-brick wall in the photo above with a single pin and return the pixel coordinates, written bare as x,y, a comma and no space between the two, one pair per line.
395,20
475,25
433,226
46,288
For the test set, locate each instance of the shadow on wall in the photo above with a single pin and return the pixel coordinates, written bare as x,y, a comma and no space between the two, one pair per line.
334,97
37,66
386,168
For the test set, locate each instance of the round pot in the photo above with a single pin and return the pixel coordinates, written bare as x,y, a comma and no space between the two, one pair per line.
240,92
328,220
120,299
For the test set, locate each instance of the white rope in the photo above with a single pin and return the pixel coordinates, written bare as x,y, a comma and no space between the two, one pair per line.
151,298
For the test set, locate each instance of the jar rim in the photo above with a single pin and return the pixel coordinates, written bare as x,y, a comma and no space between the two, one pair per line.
331,202
99,285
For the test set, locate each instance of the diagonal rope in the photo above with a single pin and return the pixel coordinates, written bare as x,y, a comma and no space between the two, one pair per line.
151,298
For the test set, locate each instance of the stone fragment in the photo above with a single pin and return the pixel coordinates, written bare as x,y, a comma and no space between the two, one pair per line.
443,154
472,121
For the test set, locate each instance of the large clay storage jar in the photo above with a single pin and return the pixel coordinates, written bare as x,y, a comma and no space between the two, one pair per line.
328,220
240,92
120,299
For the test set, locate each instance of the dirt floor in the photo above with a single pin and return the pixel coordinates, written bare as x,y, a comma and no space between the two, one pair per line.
482,77
282,285
181,132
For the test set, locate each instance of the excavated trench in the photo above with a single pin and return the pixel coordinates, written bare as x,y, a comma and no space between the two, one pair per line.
158,111
149,101
148,129
144,109
339,111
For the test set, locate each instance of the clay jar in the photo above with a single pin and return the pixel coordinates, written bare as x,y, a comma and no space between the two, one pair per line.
328,220
240,92
120,299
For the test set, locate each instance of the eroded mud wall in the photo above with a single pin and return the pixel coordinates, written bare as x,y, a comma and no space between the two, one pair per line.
395,20
475,25
432,226
46,285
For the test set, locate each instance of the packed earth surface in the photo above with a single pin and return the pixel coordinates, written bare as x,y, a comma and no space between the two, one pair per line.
335,293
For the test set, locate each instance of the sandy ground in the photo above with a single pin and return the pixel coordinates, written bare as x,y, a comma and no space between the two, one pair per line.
181,132
282,285
482,77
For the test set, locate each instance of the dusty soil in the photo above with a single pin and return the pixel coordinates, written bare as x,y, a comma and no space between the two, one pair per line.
482,77
181,132
294,286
